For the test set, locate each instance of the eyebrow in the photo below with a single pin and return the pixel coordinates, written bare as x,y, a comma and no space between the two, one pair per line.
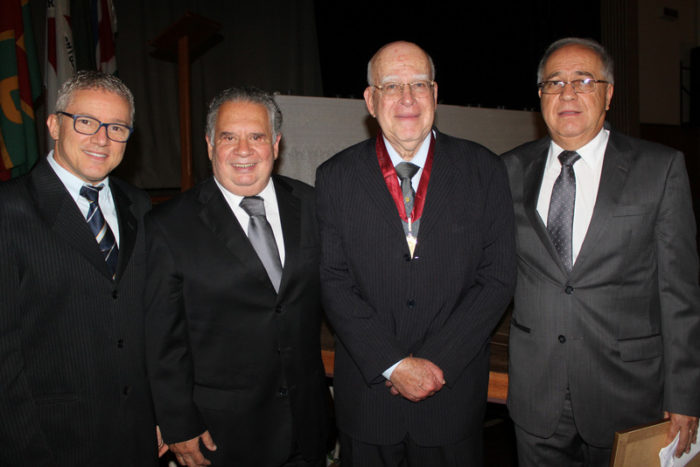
577,73
118,120
395,78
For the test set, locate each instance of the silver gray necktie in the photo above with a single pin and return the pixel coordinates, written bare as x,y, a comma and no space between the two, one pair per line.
560,219
406,171
261,237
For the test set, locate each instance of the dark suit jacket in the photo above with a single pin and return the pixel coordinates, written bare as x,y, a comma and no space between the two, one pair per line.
226,352
442,305
73,387
622,330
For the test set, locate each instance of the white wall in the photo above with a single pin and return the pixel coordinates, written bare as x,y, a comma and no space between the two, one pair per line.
315,128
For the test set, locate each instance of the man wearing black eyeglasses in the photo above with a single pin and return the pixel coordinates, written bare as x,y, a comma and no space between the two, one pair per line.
73,386
605,333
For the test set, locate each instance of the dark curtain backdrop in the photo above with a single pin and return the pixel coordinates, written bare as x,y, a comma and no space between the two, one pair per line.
486,54
269,43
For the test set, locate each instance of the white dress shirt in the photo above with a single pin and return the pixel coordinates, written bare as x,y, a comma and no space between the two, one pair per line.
272,212
419,159
587,170
73,184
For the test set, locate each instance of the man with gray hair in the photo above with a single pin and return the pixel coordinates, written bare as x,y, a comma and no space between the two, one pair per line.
233,303
605,333
73,385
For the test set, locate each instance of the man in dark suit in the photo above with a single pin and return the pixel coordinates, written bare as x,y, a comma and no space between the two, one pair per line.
233,303
605,332
417,267
73,385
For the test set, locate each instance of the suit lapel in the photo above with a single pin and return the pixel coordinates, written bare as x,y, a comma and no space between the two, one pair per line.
441,187
616,167
218,217
290,216
63,217
533,171
127,227
369,177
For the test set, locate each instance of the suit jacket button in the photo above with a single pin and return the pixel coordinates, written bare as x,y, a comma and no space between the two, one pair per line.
562,339
569,290
278,310
407,257
283,391
115,294
411,303
120,343
126,390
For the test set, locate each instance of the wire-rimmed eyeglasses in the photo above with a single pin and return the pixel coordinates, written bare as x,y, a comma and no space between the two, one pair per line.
580,86
418,88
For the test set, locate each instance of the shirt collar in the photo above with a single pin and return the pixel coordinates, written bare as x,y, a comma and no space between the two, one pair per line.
420,157
72,182
233,199
591,153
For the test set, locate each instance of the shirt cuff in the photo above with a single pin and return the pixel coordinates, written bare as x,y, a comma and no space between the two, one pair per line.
387,373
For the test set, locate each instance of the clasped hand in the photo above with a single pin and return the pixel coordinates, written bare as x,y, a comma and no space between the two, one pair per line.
416,379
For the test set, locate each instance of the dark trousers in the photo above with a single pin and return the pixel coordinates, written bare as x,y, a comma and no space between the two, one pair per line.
465,453
564,447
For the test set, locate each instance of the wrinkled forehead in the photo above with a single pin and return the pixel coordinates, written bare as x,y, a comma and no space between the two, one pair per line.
573,61
401,61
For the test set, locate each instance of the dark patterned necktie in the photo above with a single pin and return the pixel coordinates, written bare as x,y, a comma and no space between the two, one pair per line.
406,171
100,229
261,237
560,219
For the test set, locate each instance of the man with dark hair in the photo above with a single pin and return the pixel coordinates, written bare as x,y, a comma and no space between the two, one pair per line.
73,386
417,267
605,333
233,303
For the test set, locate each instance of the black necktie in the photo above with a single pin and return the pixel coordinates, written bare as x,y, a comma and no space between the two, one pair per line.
406,171
261,237
560,219
100,229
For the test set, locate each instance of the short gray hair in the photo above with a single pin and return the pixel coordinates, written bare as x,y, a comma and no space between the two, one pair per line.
590,44
371,61
244,94
94,80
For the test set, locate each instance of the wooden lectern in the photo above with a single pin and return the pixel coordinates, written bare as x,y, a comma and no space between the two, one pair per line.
182,42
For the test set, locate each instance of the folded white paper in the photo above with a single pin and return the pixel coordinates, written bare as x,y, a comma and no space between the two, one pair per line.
666,454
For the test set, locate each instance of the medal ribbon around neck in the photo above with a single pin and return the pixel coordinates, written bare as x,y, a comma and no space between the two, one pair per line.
392,182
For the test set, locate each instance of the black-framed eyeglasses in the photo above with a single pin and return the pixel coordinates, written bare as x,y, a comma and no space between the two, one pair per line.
580,86
85,125
418,88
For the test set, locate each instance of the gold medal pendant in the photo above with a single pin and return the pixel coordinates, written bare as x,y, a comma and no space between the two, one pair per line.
410,238
412,241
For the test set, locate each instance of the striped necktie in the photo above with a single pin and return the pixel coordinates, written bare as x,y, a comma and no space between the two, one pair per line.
100,229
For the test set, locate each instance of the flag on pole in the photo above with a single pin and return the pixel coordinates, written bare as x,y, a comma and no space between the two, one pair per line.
60,52
104,28
20,86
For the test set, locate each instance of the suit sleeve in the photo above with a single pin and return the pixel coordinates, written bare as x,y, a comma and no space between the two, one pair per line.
22,442
168,352
675,234
373,348
471,323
